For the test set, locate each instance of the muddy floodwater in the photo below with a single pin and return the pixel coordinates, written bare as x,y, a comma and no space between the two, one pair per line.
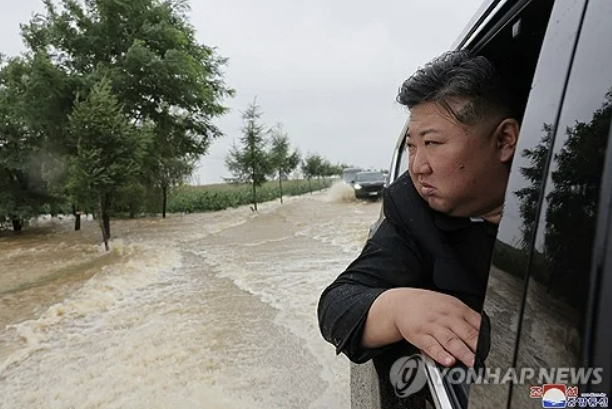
214,310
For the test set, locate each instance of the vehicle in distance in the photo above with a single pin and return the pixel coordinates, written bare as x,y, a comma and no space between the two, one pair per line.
348,175
369,184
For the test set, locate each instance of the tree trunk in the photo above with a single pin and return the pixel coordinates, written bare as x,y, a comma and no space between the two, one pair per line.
106,215
106,222
77,217
280,184
101,221
254,197
133,208
17,226
165,201
310,185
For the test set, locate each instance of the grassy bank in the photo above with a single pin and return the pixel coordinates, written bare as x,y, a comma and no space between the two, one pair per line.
192,199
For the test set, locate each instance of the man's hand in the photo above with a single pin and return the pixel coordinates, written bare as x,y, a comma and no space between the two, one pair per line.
438,324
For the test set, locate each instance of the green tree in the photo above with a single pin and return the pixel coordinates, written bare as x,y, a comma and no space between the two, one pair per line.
282,160
163,78
528,196
165,170
312,166
336,170
24,159
329,170
109,152
250,163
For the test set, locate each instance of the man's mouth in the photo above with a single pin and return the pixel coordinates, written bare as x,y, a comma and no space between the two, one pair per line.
427,189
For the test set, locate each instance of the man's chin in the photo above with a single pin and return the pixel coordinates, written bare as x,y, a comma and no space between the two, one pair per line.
438,205
442,206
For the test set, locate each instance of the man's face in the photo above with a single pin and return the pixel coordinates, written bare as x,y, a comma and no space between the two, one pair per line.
460,170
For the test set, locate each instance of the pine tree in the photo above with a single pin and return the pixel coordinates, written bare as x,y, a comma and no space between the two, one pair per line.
282,160
109,152
249,162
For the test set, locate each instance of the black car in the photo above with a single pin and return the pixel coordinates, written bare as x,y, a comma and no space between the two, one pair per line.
369,185
549,294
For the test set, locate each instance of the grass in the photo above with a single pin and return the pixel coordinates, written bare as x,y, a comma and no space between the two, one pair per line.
193,199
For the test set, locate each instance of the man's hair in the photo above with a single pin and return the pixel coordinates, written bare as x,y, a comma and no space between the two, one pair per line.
459,76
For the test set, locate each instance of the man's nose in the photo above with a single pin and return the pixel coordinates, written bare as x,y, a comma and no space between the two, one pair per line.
419,163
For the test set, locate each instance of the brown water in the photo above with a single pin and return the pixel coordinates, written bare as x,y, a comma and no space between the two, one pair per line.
213,310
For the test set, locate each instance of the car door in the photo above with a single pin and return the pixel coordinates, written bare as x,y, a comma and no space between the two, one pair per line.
598,342
513,249
563,269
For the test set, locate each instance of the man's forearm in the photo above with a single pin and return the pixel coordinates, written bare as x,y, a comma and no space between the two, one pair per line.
380,328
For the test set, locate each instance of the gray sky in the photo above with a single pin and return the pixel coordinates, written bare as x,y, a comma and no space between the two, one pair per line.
328,70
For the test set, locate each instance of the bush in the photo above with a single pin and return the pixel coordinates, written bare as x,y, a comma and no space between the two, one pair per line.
193,199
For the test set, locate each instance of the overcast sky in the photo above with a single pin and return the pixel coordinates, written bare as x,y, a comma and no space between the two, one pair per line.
328,70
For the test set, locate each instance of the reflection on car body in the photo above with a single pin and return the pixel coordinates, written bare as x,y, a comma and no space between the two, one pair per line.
548,297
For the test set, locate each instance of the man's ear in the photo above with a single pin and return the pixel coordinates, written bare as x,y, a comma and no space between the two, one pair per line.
506,138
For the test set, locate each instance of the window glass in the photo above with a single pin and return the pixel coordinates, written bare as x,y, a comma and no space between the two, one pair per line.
505,287
369,177
553,321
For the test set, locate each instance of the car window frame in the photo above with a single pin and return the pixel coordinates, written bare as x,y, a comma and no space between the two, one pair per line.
508,13
598,341
399,155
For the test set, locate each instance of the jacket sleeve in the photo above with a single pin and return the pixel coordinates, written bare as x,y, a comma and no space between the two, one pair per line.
389,259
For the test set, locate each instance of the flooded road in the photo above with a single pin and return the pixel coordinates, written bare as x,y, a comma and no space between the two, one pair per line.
213,310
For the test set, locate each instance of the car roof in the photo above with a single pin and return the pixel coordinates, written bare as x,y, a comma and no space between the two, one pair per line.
484,13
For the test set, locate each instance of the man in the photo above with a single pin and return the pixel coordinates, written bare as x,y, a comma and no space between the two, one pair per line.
421,278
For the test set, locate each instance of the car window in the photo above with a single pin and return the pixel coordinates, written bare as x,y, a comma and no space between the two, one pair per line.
369,177
554,318
505,287
402,164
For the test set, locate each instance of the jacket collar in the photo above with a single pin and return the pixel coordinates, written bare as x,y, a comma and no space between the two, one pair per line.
450,223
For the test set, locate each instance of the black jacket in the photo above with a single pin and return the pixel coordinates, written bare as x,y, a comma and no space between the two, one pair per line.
414,246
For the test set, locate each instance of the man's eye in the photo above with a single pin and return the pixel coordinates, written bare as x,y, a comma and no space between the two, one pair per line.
429,143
